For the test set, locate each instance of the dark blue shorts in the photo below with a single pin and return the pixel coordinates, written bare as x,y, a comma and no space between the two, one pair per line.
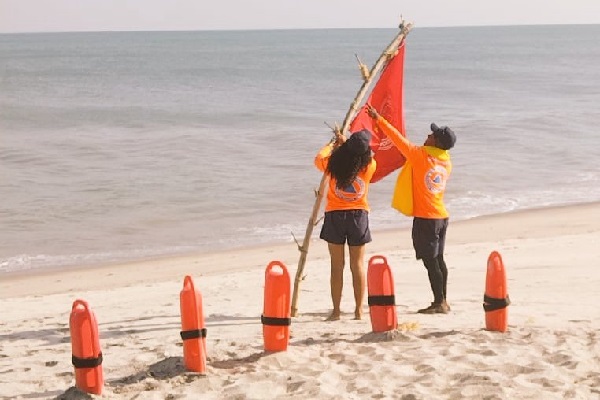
429,237
346,225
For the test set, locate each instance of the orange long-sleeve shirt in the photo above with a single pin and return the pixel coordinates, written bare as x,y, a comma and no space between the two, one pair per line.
431,170
353,197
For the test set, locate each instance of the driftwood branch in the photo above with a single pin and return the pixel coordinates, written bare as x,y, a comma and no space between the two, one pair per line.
335,129
364,70
368,78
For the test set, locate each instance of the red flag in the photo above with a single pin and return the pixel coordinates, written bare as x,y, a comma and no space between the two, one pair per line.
387,99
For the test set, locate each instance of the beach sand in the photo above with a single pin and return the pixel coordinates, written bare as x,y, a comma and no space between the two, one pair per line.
550,351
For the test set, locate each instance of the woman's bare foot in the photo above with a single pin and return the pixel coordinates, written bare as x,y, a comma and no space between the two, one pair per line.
334,316
358,314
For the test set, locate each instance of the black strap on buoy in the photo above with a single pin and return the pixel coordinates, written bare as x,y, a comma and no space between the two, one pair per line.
493,304
274,321
90,362
389,300
193,334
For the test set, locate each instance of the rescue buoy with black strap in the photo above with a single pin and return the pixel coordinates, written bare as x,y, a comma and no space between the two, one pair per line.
276,318
86,354
381,295
495,297
193,330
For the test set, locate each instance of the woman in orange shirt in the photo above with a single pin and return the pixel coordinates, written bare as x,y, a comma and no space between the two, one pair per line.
350,167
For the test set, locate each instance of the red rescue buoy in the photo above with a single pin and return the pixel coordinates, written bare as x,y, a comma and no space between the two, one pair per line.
85,347
381,299
276,311
495,299
193,331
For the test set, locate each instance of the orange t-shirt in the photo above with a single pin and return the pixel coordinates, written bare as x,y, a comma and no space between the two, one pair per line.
431,170
353,197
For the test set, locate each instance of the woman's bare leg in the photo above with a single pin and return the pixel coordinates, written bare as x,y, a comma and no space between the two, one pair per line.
357,255
336,252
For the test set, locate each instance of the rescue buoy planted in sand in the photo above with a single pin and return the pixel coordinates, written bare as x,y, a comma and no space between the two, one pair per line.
495,298
276,311
193,331
85,346
381,299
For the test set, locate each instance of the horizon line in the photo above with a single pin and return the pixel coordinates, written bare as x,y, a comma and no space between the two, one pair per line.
286,29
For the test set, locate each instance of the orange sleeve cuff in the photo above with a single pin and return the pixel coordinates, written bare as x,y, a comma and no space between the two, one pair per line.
322,157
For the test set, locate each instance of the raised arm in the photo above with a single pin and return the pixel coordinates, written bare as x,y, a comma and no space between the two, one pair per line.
402,143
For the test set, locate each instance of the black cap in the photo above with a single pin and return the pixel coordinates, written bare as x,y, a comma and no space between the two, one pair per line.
358,143
444,136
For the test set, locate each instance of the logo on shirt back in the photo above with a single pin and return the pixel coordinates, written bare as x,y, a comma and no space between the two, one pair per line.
352,192
435,179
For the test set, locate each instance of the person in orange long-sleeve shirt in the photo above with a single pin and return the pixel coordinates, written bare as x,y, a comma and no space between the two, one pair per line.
431,167
350,167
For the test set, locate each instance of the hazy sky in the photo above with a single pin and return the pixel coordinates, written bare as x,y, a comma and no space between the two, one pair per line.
101,15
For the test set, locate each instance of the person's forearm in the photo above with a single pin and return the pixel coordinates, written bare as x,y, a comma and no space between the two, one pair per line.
402,143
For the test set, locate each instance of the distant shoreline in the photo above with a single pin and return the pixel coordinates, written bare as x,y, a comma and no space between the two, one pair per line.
495,227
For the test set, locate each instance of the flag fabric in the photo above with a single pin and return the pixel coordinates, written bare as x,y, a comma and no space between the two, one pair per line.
387,98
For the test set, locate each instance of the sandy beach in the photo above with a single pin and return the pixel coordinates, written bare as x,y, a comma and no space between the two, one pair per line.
551,350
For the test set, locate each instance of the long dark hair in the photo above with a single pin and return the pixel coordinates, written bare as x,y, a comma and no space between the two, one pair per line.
344,165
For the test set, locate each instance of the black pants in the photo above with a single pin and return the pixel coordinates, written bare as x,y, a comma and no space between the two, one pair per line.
438,277
429,240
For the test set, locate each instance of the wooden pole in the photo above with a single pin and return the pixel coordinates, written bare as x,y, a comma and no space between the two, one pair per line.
385,56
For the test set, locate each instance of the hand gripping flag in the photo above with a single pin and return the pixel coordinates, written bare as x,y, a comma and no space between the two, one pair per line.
387,99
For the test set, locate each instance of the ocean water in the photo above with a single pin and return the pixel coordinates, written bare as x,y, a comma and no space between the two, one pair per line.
121,146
